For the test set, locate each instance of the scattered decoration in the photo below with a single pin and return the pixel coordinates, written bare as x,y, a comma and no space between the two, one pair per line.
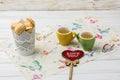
114,39
88,17
78,46
76,26
45,36
70,48
92,21
90,54
45,52
108,48
38,37
63,64
37,77
103,31
99,36
118,44
34,66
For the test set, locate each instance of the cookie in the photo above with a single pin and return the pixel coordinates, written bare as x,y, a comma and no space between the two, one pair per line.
29,29
14,25
20,27
29,22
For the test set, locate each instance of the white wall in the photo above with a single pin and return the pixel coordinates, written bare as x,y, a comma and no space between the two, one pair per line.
59,4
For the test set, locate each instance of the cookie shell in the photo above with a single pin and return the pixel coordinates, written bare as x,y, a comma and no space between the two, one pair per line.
20,27
14,25
29,29
31,20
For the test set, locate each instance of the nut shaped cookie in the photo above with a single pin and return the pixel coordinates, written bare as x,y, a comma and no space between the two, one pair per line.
20,27
14,25
29,29
29,22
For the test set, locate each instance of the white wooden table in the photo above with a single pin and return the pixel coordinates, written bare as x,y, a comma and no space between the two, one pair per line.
105,68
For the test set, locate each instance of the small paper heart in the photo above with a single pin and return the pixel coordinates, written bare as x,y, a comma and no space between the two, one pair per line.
72,55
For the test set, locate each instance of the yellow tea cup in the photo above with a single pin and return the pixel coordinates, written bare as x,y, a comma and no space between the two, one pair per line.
65,36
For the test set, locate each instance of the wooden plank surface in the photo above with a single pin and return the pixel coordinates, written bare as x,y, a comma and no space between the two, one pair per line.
104,68
59,4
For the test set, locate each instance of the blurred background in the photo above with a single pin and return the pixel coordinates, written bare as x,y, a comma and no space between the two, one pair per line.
59,5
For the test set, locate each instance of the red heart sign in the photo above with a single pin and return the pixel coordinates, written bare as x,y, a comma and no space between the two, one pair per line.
72,55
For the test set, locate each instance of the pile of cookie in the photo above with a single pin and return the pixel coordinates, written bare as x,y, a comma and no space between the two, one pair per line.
23,25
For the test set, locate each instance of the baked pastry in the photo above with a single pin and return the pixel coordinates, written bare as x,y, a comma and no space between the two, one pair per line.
29,22
14,25
22,25
19,28
29,29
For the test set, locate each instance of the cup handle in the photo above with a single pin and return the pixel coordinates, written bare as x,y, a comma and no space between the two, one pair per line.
74,34
77,36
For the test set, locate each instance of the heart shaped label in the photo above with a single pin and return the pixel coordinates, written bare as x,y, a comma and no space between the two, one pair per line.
72,55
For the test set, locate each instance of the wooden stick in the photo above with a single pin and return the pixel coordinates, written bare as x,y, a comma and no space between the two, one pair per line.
71,71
